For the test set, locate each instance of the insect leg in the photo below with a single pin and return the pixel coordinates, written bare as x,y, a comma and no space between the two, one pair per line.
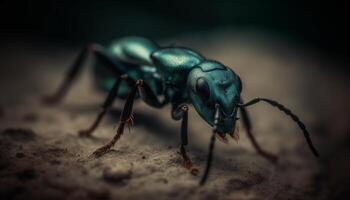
73,72
211,145
112,95
149,97
126,118
247,124
181,112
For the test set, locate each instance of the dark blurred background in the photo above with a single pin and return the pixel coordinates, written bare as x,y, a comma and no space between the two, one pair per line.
321,24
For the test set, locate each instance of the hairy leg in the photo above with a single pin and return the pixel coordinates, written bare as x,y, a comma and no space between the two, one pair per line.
126,117
112,95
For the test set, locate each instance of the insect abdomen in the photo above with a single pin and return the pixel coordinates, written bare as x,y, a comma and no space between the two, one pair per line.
133,55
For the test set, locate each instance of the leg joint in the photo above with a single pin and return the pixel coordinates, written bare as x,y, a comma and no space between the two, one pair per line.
184,108
139,82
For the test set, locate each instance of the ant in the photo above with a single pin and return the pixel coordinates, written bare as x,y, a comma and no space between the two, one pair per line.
136,67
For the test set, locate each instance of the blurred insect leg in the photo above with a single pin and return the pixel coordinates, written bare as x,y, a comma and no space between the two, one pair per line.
70,76
112,95
73,72
181,112
247,124
125,119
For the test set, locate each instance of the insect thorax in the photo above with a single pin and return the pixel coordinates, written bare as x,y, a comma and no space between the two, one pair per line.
174,65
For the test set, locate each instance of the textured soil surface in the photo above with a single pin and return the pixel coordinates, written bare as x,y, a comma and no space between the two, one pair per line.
42,156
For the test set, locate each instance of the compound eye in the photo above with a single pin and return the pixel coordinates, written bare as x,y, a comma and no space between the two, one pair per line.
202,89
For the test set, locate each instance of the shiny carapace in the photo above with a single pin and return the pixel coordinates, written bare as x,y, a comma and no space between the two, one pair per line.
138,68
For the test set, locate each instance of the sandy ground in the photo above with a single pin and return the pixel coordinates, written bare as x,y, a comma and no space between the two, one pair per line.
41,156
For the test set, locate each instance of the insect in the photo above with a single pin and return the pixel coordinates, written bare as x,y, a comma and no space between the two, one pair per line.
136,67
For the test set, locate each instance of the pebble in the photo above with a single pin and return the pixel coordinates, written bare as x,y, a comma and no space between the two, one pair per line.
116,176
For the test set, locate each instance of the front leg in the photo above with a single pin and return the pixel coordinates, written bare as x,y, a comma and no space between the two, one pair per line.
181,112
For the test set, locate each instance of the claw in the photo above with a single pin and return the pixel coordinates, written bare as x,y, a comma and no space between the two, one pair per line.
190,166
101,151
84,133
194,170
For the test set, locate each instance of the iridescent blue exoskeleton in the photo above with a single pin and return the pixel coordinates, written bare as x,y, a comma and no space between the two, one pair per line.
136,67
